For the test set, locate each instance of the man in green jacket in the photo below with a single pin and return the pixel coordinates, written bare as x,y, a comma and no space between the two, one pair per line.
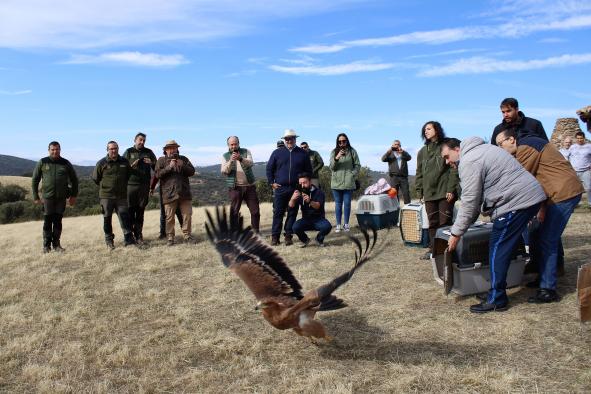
237,167
112,173
316,162
60,183
143,162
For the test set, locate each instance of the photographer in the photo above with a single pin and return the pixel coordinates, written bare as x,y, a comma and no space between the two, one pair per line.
173,171
237,167
397,160
311,201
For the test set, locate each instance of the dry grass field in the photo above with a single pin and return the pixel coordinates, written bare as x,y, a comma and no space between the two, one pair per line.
22,181
173,319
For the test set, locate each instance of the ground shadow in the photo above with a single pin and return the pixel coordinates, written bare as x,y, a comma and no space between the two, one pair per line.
355,339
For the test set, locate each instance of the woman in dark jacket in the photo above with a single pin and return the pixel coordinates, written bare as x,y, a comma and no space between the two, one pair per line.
436,182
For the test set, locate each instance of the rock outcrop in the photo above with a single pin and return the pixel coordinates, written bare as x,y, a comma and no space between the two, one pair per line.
585,115
564,127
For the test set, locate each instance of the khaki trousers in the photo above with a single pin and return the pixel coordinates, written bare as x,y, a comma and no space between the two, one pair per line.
186,212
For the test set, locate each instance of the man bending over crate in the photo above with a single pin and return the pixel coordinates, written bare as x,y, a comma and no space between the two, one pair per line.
493,183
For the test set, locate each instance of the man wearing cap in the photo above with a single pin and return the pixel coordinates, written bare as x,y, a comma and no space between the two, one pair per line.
316,162
143,161
112,173
173,171
60,183
237,167
283,168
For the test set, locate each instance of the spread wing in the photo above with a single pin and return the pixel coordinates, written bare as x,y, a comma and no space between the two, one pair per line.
327,300
263,271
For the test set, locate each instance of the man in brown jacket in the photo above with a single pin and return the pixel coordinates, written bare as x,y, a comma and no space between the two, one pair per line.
563,189
173,171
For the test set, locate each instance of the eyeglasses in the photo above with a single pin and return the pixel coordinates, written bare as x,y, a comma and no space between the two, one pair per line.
500,143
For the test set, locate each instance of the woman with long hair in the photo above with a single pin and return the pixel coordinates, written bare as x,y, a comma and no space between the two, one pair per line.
344,164
436,182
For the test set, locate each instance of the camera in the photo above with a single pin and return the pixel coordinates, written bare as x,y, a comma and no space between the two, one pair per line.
303,190
175,156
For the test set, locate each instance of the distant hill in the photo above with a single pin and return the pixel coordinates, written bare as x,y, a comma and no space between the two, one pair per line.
16,166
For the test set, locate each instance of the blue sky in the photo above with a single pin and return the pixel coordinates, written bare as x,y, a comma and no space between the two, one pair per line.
197,71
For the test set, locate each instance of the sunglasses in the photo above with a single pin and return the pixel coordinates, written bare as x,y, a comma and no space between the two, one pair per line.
289,138
343,141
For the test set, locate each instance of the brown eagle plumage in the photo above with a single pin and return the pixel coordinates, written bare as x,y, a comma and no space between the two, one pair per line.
266,274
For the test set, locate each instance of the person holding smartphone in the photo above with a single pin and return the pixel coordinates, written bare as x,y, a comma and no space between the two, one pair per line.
345,166
397,159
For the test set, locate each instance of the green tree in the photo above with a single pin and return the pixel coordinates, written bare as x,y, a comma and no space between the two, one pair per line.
264,190
363,177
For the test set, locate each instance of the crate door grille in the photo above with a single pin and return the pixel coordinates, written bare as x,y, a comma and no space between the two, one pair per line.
366,206
411,226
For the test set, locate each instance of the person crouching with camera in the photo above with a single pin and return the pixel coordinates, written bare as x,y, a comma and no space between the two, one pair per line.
310,200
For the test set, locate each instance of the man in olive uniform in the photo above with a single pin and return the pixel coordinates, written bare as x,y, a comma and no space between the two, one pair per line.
143,162
173,171
112,174
59,183
317,163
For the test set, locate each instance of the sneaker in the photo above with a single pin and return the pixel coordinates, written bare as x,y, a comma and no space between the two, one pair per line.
346,228
58,248
337,228
305,243
46,249
170,242
426,256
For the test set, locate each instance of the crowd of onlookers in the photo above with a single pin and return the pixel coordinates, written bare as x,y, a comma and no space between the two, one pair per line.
519,176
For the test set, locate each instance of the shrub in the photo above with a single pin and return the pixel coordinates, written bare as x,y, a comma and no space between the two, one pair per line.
12,193
11,211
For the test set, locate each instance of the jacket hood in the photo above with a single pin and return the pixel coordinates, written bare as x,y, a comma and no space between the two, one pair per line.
470,143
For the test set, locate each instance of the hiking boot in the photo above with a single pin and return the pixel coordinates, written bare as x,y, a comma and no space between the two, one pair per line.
190,240
162,236
305,243
288,239
57,247
129,240
139,239
46,249
170,242
274,240
109,241
47,241
544,296
320,244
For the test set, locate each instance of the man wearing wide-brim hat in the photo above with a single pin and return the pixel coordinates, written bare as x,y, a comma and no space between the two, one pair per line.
283,168
173,171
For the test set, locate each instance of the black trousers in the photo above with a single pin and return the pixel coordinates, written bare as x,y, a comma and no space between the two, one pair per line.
400,183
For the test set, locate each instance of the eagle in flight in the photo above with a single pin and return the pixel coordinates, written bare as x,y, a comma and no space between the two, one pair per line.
266,274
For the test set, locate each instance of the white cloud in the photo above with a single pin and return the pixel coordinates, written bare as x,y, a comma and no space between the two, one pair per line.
106,23
130,58
480,65
15,92
514,29
552,40
336,69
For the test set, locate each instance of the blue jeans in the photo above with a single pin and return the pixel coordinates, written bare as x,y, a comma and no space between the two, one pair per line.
506,233
342,197
319,224
281,198
557,216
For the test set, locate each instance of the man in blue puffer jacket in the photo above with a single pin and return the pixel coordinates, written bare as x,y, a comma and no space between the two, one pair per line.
283,168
